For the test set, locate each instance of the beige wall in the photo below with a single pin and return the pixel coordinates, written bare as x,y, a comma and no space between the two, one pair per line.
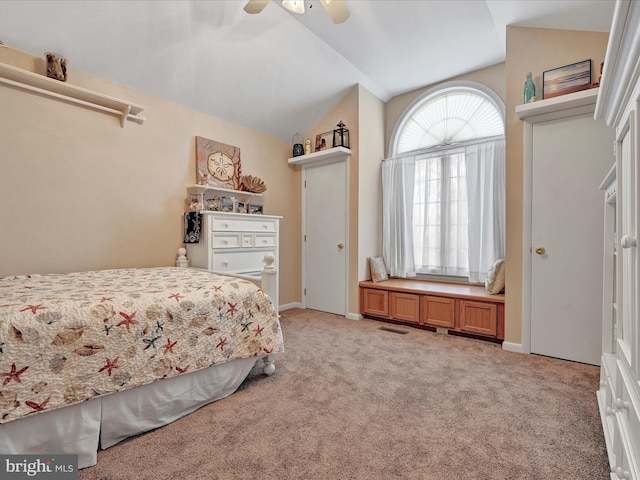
78,192
371,148
532,50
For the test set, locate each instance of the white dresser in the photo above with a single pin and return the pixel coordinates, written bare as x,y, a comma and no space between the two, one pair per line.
235,243
619,105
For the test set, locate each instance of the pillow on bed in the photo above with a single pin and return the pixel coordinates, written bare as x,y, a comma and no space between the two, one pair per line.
495,278
378,269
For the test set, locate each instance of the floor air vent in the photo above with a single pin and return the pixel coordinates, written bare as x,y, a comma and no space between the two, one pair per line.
394,330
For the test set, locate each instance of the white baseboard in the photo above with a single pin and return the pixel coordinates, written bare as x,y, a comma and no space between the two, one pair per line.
513,347
289,306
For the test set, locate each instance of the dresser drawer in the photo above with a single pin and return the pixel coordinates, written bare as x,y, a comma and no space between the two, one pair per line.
228,240
239,262
254,224
264,240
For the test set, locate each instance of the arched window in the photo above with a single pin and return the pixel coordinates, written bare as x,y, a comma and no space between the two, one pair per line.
450,143
447,115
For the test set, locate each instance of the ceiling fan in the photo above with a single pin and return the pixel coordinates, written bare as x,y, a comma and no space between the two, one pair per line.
336,9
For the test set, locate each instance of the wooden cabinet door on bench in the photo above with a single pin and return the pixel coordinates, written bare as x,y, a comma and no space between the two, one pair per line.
374,302
404,306
478,317
438,311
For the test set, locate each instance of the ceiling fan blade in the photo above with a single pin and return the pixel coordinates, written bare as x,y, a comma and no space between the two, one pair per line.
255,6
336,9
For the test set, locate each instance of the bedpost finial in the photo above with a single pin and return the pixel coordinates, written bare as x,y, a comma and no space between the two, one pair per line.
182,261
268,260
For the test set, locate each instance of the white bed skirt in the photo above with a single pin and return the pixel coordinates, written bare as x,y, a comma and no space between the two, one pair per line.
77,429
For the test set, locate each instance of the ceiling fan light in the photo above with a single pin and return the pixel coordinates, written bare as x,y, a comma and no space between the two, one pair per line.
336,9
296,6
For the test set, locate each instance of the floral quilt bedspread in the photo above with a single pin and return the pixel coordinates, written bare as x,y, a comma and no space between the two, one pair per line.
67,338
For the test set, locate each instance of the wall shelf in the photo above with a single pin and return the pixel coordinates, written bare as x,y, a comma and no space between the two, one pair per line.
563,102
33,82
198,189
324,156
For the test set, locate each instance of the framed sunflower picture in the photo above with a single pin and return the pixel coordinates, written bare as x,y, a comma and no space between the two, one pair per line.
217,164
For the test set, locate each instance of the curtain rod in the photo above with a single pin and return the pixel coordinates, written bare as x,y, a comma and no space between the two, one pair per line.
451,146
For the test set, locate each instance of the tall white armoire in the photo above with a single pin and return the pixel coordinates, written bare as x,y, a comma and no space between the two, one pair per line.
618,105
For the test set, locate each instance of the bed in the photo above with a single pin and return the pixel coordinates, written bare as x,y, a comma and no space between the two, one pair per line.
90,358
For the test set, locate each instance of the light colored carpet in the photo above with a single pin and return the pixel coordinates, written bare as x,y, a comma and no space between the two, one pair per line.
351,401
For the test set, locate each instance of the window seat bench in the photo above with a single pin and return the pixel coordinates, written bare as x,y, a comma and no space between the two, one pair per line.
441,306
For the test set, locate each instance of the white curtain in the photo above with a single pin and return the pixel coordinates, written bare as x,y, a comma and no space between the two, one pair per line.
440,218
397,213
486,197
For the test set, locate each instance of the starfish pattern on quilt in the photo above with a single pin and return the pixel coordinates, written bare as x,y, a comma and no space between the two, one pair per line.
14,374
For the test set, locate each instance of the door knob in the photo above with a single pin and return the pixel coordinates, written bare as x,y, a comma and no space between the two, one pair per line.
340,246
540,250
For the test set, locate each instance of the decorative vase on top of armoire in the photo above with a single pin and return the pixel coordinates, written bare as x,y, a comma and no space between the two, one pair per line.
619,106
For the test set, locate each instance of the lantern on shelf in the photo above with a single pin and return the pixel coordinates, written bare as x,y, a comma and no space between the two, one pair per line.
341,136
298,149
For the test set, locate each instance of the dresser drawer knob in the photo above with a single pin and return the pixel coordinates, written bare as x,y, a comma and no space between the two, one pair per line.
621,404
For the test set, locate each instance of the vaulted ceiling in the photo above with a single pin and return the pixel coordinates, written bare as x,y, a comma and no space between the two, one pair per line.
278,72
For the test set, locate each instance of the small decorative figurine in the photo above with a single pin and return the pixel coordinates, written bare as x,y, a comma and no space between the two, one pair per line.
307,146
56,67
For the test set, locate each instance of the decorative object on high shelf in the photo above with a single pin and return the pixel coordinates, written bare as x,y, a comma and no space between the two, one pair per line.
253,184
298,149
567,79
529,89
219,161
341,136
322,141
56,66
307,146
600,76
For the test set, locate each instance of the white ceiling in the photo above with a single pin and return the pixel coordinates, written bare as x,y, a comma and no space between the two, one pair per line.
277,72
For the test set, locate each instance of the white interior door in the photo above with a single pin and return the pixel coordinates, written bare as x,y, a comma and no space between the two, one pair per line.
570,158
325,231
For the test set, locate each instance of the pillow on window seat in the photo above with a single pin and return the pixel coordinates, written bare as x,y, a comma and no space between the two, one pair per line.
495,278
378,269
